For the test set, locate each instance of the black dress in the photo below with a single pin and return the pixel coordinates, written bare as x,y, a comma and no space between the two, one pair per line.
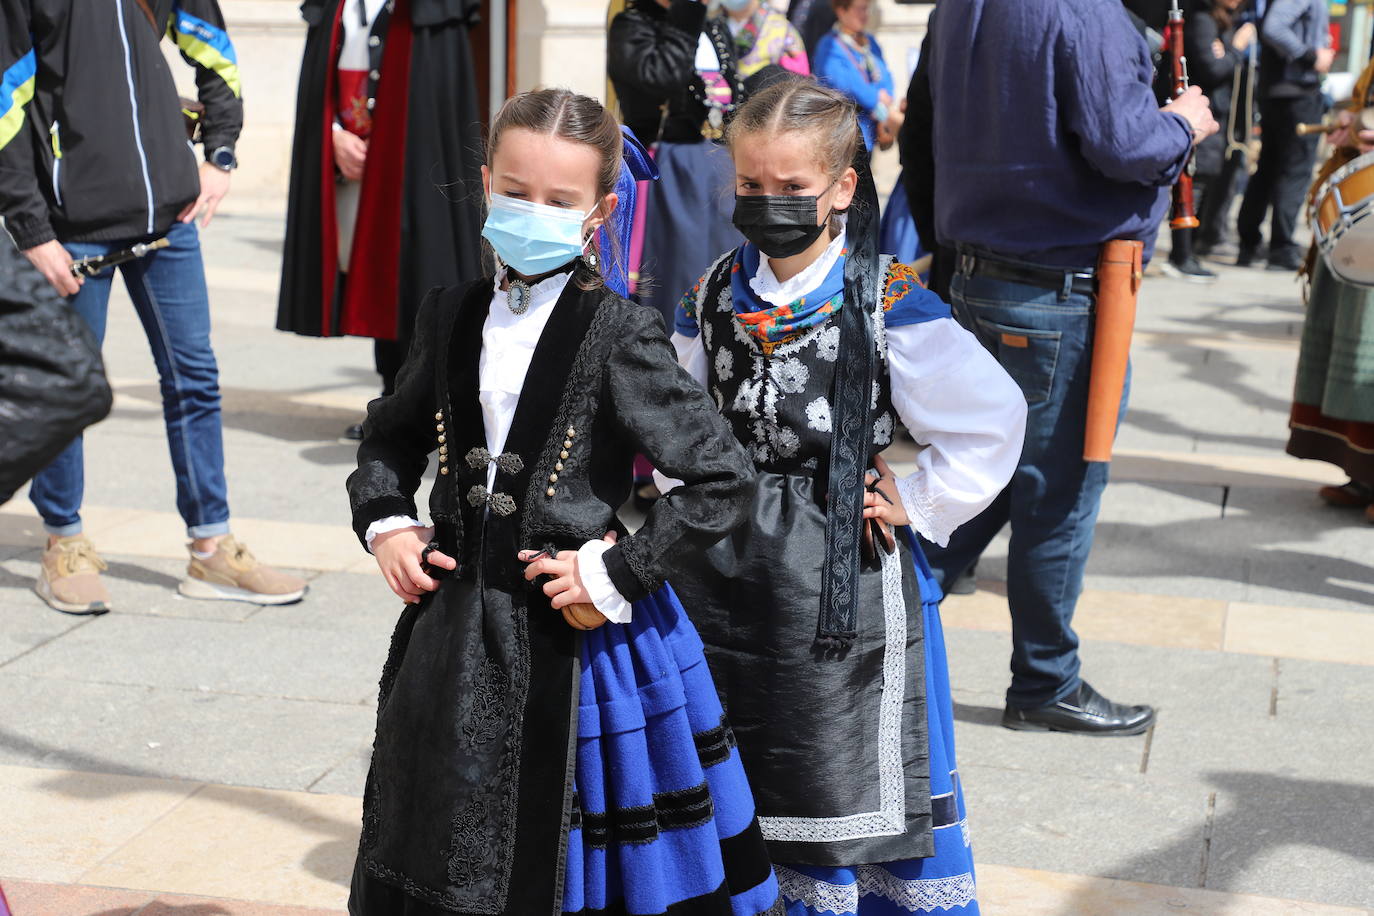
469,803
845,780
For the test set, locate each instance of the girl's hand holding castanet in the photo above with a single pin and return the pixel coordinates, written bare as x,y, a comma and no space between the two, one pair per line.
401,556
566,591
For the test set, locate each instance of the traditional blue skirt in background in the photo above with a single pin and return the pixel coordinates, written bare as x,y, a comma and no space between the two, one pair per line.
898,236
941,884
663,819
688,222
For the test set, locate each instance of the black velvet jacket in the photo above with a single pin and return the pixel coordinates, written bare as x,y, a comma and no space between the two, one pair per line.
603,385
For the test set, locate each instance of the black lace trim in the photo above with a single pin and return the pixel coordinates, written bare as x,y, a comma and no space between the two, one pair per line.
631,549
487,711
393,662
371,815
584,376
468,851
643,823
714,744
509,768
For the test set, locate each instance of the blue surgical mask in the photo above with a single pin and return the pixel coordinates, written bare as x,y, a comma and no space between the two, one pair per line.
532,238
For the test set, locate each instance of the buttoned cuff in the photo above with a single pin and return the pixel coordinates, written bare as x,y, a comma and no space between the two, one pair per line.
591,565
387,525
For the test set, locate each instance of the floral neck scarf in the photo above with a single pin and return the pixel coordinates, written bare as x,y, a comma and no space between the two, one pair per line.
774,325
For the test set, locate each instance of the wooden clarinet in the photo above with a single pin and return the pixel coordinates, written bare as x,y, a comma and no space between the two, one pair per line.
1183,216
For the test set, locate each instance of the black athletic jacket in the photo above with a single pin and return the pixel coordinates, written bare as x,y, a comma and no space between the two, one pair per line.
92,142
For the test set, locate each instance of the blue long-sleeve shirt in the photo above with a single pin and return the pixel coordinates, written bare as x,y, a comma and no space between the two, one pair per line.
1047,137
839,67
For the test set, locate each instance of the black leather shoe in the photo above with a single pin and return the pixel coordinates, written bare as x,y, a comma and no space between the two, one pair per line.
1085,712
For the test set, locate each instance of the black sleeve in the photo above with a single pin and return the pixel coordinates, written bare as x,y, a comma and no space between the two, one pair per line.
672,421
916,144
399,432
21,203
655,61
1205,70
197,27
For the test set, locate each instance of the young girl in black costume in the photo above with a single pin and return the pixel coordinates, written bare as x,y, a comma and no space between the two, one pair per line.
529,761
829,653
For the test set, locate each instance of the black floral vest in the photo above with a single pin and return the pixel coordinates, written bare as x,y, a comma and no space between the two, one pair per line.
779,403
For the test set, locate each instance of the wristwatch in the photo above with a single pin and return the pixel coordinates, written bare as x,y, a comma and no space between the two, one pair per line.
223,158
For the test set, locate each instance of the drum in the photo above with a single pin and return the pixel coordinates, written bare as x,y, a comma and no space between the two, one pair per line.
1343,221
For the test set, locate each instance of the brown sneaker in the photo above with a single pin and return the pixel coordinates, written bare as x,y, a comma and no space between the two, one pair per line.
234,574
69,580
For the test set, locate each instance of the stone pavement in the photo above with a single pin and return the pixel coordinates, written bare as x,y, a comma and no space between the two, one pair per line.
188,758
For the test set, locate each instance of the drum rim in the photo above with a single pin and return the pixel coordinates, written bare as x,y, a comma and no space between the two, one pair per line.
1358,164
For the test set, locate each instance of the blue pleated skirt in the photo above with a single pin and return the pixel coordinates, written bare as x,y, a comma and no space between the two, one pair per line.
942,884
663,819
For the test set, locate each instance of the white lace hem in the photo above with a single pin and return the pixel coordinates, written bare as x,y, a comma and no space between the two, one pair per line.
915,895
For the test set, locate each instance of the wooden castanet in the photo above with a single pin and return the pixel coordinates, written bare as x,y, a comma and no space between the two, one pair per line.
583,616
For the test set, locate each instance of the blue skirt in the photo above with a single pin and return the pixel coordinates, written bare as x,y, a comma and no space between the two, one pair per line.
942,884
898,236
663,819
688,223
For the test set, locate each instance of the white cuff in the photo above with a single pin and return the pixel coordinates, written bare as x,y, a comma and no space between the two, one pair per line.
597,582
920,509
389,524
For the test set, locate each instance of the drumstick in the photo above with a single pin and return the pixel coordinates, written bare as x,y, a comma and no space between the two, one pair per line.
1363,121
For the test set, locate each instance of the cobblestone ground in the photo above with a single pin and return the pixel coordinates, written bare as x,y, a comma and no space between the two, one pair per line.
181,757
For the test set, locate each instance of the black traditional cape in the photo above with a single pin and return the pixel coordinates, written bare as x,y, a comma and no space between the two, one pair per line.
428,132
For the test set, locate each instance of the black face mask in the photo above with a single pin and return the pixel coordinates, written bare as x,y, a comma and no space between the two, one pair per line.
781,226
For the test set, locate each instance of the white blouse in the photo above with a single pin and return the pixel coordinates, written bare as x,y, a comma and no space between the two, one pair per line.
508,343
960,405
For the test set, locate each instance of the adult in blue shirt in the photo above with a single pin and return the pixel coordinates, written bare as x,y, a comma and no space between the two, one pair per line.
1045,140
849,59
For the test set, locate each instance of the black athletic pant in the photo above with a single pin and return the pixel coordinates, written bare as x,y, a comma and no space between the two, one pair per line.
1283,176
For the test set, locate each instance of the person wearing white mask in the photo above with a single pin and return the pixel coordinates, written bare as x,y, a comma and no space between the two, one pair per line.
549,738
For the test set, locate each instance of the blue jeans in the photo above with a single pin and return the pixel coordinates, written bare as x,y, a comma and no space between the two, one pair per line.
169,293
1044,341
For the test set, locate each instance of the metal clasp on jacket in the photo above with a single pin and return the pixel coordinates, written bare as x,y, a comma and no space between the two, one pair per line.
509,462
500,503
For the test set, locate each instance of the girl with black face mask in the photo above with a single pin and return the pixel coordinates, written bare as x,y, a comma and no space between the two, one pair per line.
819,615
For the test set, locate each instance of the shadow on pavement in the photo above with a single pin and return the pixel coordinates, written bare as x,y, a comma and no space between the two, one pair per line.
1257,813
338,838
